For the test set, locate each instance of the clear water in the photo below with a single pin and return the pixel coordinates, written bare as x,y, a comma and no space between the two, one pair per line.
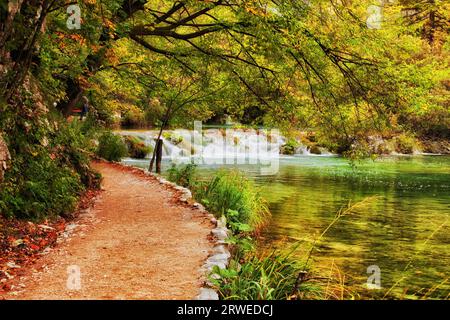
407,224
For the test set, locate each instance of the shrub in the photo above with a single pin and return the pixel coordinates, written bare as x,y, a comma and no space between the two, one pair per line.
111,147
75,143
405,144
184,175
231,194
48,171
42,189
137,148
133,118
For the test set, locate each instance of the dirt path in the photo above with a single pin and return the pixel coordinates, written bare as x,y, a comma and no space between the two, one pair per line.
140,244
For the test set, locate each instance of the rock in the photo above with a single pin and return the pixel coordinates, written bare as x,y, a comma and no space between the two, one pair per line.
209,266
198,206
46,251
287,149
220,258
44,227
12,265
187,194
207,294
220,249
70,227
222,222
215,276
315,149
220,233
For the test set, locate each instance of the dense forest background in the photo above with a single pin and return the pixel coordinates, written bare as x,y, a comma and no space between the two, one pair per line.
348,72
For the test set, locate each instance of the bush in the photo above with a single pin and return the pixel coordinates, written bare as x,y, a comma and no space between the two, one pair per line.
43,189
231,194
133,118
75,142
111,147
48,171
183,176
405,144
137,148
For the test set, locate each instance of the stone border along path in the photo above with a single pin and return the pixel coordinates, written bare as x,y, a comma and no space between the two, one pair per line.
220,255
137,241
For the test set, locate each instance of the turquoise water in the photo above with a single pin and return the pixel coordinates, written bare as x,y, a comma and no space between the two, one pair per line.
404,224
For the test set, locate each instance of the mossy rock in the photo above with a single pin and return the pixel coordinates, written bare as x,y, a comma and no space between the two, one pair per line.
137,148
314,149
173,138
289,147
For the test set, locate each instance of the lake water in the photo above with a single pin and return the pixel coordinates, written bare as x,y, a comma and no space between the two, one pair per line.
405,224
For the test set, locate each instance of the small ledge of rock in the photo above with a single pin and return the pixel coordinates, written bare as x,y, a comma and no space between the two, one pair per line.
198,206
222,222
220,249
220,233
220,258
44,227
207,294
209,266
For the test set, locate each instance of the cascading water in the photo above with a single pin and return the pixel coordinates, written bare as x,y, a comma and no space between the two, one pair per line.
219,143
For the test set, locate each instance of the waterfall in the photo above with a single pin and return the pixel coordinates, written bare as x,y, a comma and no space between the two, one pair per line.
216,144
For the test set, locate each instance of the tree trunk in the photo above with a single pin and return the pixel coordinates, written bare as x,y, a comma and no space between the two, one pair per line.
432,26
164,124
159,156
74,93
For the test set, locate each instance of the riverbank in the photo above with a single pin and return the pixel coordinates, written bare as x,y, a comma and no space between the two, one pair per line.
409,206
136,242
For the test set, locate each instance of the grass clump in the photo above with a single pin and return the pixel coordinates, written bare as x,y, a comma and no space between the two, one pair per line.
232,195
252,274
111,147
263,276
183,176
